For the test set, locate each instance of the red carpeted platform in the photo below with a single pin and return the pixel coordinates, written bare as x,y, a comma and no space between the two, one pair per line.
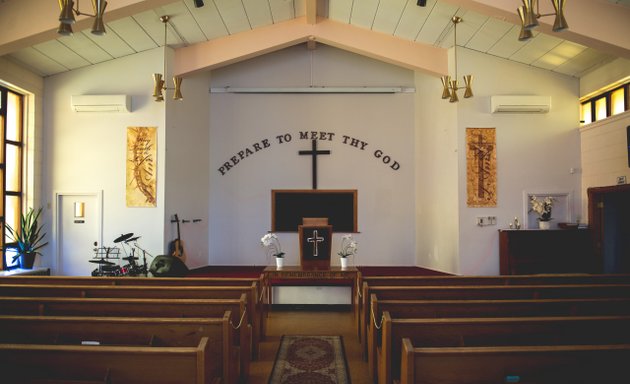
256,270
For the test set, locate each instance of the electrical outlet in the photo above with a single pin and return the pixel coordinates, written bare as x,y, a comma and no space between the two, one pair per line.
483,221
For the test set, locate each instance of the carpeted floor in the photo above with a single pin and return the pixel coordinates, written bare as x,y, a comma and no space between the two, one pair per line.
302,322
310,360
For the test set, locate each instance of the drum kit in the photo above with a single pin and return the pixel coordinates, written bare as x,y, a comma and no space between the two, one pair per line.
104,255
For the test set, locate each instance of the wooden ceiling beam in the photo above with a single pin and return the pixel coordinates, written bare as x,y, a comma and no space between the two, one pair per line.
227,50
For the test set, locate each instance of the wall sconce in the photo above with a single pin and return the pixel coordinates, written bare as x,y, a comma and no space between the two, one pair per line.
529,17
158,81
66,17
450,84
79,210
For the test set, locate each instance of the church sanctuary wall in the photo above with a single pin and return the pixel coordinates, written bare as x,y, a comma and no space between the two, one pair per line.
86,152
536,153
604,154
604,143
437,206
31,85
359,129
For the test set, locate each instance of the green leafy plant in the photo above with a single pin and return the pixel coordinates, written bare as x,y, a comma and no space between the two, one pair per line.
28,238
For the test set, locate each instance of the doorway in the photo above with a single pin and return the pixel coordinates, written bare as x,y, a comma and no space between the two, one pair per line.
609,218
79,232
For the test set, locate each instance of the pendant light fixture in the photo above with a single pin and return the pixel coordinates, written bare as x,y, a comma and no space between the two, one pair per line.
68,11
450,84
159,85
529,14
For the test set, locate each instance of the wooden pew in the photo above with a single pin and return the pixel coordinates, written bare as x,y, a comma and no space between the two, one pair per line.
476,332
162,332
138,291
579,364
488,292
115,307
153,281
543,279
127,364
439,309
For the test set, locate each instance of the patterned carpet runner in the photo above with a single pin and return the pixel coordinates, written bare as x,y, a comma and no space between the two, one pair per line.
310,360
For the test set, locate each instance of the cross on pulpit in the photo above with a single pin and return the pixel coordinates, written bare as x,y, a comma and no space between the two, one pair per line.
315,240
314,152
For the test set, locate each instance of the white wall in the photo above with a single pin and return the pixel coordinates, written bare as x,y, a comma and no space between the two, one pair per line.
414,215
31,85
437,229
86,152
240,200
535,152
604,153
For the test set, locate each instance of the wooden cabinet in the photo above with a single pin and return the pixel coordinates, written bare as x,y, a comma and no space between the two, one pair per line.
532,251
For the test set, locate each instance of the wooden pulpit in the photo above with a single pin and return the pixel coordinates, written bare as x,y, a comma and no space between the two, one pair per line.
315,242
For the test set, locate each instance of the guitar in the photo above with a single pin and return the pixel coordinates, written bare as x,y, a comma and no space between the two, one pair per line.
176,247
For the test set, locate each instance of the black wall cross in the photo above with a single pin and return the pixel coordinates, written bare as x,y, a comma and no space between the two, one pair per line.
314,152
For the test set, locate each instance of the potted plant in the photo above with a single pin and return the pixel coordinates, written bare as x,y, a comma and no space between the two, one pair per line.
543,209
272,244
26,240
348,248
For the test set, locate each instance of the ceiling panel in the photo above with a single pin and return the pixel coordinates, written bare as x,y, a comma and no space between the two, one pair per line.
402,18
487,35
135,36
387,17
281,10
233,15
439,19
61,54
81,44
209,20
340,10
258,13
413,19
39,62
535,48
363,13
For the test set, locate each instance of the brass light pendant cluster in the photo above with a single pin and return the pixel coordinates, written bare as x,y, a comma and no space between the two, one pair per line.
450,84
66,17
529,17
159,85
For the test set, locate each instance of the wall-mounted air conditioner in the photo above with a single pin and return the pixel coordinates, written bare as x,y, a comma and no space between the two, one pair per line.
520,104
101,103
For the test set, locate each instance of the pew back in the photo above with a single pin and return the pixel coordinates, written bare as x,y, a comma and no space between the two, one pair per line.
484,332
162,332
489,292
138,365
115,307
580,364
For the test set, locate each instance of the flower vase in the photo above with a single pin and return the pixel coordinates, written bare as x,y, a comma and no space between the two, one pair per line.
344,262
279,262
544,224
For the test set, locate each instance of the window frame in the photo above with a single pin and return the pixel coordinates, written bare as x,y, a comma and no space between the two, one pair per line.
607,95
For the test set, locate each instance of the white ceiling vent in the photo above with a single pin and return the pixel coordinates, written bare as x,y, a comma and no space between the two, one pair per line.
101,103
520,104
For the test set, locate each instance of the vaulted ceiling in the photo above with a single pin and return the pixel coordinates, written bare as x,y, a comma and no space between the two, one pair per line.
397,31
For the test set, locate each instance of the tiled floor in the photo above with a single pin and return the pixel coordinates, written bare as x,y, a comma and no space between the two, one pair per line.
310,323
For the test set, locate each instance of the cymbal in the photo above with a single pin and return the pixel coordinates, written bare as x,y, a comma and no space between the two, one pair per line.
129,258
123,237
101,261
132,239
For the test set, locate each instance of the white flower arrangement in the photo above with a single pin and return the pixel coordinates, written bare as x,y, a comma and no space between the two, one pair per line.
348,246
271,242
542,207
